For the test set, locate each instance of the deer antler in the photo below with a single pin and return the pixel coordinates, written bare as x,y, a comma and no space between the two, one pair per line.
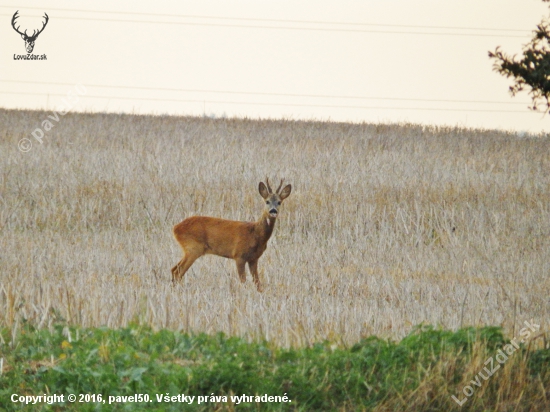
267,183
281,185
43,26
15,16
34,33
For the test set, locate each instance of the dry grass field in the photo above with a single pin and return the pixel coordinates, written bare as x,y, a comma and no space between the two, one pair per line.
387,226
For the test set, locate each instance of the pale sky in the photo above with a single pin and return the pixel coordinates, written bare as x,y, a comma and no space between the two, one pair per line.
328,60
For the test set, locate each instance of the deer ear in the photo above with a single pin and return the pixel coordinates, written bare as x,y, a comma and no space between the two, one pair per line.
263,190
285,192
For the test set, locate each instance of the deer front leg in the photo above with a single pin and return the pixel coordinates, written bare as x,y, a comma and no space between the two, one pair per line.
253,265
240,269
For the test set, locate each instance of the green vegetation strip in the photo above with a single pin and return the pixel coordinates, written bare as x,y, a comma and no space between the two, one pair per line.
421,372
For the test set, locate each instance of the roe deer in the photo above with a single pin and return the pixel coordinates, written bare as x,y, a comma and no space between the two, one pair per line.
242,241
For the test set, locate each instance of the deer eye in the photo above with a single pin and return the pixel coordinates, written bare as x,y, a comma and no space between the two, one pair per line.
267,202
278,203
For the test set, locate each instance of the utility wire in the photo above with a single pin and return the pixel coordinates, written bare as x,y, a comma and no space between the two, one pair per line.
287,27
324,96
187,16
272,104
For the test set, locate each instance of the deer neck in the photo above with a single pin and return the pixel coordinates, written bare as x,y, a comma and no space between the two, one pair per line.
265,225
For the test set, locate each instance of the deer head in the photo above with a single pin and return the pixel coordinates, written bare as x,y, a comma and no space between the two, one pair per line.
29,40
273,200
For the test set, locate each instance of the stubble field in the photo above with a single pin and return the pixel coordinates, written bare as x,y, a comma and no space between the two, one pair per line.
387,226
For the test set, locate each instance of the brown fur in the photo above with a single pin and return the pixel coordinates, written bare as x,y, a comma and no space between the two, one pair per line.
244,242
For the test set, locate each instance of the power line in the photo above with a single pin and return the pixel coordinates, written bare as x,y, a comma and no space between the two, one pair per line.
288,27
325,96
272,20
274,104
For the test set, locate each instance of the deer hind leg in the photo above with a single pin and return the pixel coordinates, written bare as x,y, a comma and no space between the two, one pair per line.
175,271
240,269
183,265
253,266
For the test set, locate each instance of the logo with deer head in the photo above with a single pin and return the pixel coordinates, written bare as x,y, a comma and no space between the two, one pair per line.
29,40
